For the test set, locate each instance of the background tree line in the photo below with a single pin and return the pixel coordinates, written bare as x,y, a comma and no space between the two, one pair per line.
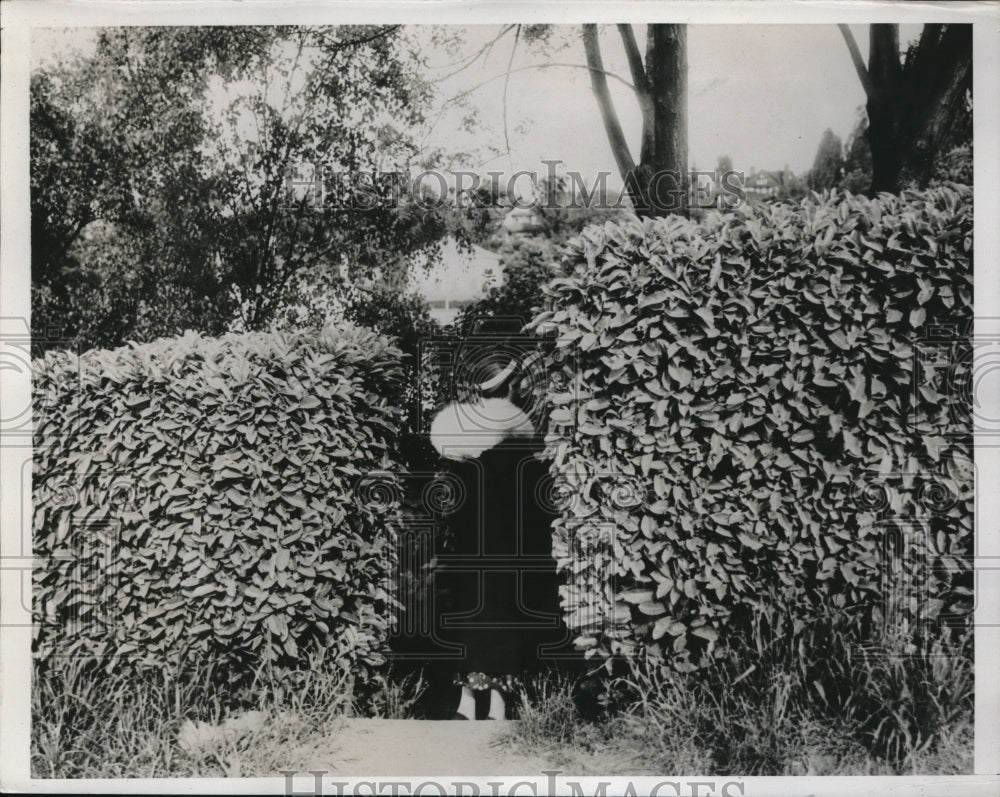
159,168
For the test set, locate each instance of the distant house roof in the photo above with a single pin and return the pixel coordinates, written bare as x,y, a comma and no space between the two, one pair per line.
764,179
461,277
523,219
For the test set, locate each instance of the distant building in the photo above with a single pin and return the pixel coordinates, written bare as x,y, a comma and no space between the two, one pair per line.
524,220
461,277
763,184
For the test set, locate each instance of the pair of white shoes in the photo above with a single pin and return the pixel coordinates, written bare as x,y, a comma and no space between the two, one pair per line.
467,706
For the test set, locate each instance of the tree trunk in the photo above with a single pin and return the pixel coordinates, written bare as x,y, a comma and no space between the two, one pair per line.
883,100
913,106
658,185
937,81
666,68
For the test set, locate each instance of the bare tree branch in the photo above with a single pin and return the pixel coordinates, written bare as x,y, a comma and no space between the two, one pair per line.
599,84
486,49
859,64
506,84
635,64
642,90
591,69
462,95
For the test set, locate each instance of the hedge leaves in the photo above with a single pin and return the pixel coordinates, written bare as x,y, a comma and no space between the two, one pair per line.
223,500
767,415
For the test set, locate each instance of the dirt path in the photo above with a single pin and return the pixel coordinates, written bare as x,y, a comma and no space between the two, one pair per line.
378,747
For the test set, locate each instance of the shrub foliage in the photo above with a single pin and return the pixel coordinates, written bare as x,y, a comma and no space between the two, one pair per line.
210,500
769,420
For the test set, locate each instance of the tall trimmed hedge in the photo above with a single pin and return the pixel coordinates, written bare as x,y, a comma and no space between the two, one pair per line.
210,501
749,424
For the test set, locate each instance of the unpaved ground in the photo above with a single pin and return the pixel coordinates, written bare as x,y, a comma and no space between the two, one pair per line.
254,744
378,747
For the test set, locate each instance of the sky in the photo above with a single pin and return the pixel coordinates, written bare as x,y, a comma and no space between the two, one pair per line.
761,94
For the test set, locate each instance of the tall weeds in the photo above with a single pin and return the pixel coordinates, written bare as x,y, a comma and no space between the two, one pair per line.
819,703
822,703
88,723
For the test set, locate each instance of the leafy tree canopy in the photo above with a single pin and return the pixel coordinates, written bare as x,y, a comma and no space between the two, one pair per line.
174,180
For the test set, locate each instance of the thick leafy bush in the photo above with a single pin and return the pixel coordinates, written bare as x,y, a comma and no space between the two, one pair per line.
202,500
767,419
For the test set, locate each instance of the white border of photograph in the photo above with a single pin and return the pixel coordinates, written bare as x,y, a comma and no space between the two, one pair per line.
19,16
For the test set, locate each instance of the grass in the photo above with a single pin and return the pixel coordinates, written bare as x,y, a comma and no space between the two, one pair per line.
816,705
89,724
827,708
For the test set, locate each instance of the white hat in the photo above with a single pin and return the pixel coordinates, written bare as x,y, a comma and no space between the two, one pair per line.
500,378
